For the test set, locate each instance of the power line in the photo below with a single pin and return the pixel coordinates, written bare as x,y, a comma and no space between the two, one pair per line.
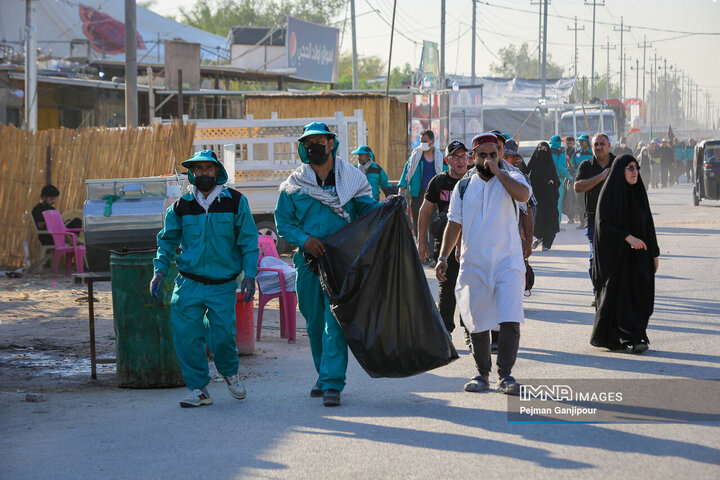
638,27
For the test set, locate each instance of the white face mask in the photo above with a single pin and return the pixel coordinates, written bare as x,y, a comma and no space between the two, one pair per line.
425,146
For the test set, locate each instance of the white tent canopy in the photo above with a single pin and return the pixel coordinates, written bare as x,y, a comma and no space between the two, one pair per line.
95,29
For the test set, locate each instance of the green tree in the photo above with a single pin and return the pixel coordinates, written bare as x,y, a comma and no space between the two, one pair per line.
371,73
219,16
518,63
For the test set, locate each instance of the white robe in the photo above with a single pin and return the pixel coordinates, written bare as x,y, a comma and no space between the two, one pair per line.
491,280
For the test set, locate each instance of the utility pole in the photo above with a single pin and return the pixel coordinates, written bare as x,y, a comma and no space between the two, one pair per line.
392,34
622,30
592,64
539,3
623,77
544,70
444,98
644,45
697,100
131,110
474,29
665,88
356,82
30,67
576,29
637,77
607,81
688,110
653,86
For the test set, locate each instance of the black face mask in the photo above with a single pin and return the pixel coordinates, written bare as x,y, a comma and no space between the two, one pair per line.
485,172
205,183
316,153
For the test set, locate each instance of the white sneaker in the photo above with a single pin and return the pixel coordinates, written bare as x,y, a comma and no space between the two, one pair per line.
197,398
236,386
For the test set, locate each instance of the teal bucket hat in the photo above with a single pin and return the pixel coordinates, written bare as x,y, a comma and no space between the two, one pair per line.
364,149
585,137
315,128
205,156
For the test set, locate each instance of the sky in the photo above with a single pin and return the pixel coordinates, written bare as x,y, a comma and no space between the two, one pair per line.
666,24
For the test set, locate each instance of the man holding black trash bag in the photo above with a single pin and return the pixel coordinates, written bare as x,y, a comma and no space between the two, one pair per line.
317,199
483,209
219,240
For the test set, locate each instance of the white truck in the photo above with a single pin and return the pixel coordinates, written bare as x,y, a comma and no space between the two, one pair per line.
260,154
599,119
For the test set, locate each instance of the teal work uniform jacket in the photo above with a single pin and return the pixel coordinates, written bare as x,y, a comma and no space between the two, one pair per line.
377,178
298,216
580,157
216,245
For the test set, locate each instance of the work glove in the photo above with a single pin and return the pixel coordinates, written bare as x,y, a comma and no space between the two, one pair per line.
247,288
156,284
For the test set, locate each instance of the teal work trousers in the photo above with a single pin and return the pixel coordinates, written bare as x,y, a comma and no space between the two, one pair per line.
204,315
327,340
561,190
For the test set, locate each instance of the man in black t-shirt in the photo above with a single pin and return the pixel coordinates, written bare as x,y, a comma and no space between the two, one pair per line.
438,194
48,196
589,180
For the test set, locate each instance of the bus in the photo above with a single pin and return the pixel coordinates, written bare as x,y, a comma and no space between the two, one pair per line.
572,123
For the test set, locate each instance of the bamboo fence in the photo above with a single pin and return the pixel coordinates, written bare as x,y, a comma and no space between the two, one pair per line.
76,155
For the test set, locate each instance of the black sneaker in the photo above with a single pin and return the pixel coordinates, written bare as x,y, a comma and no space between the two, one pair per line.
493,348
331,397
315,391
639,347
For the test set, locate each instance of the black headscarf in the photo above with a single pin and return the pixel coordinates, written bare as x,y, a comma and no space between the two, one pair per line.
541,170
623,277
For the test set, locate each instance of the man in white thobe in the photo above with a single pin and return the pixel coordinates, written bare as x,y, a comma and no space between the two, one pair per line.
483,208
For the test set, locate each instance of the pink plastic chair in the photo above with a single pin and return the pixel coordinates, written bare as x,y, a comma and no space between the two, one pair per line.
56,227
288,300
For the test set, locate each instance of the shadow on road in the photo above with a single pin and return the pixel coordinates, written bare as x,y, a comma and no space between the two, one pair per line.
620,361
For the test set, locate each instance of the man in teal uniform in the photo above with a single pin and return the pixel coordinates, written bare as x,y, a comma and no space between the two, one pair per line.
319,198
559,158
215,229
582,154
376,176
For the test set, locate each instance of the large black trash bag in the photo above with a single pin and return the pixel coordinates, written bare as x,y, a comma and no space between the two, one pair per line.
378,291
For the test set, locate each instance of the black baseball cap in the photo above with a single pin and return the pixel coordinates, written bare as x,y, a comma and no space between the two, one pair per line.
454,145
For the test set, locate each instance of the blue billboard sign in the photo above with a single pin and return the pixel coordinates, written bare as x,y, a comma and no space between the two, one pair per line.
312,50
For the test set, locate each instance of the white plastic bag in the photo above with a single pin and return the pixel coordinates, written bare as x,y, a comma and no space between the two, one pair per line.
270,281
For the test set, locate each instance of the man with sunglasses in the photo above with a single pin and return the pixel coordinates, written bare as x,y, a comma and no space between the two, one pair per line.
483,209
589,180
438,194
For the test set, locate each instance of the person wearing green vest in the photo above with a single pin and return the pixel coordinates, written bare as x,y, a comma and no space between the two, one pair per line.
558,156
375,174
219,240
320,197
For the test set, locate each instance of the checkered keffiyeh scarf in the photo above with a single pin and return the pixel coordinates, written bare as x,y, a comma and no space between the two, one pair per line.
350,182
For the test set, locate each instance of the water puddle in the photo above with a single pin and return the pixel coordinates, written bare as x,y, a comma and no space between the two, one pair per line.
40,363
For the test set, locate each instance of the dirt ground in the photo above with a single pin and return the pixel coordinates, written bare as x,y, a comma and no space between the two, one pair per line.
44,335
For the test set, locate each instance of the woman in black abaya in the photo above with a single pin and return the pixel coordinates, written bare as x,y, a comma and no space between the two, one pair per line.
625,260
544,181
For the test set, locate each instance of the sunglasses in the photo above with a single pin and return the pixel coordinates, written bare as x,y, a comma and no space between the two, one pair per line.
632,168
484,155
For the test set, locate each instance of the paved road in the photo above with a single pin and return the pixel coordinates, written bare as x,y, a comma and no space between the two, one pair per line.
420,427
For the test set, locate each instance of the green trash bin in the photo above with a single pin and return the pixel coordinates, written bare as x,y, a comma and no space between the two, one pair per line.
145,351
